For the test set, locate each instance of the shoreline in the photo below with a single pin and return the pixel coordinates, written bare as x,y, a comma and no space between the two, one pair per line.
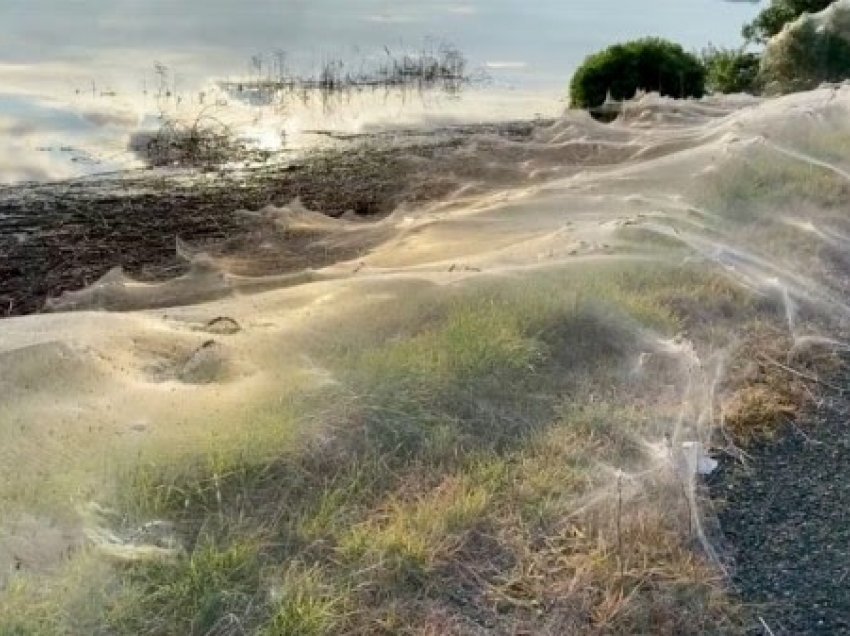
63,236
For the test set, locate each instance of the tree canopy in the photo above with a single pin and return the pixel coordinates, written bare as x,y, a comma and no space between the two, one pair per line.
771,20
650,64
808,54
731,70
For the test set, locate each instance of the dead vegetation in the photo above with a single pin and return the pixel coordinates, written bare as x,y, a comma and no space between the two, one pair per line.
773,379
436,66
205,143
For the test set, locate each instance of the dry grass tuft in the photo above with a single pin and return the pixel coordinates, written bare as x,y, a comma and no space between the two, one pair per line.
772,380
758,410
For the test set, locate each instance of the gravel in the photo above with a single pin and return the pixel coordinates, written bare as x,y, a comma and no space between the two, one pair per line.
786,521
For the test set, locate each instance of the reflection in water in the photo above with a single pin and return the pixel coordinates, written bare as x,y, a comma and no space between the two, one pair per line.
100,71
441,66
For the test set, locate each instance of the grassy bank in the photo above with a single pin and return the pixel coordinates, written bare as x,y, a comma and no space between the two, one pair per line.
455,476
470,450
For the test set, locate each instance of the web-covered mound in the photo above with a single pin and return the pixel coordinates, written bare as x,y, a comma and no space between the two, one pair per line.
531,372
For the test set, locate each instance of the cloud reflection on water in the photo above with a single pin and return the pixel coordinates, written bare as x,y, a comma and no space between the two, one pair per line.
94,59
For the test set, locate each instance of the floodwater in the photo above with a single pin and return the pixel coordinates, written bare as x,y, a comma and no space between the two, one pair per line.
78,77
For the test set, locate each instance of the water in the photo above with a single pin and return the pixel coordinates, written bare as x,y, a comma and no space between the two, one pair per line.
78,76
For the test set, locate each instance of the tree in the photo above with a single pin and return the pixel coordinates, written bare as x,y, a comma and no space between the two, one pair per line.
808,54
771,20
731,70
650,64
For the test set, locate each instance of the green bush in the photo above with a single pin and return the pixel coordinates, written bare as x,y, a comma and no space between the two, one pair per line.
780,12
650,64
731,71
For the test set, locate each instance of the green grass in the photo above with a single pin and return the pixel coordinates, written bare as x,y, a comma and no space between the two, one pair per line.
459,432
748,187
69,600
304,603
190,595
408,538
764,201
23,613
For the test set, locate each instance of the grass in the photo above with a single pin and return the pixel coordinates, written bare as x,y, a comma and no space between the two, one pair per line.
459,471
22,613
480,459
449,477
450,450
495,455
69,600
772,381
304,603
756,194
190,595
748,186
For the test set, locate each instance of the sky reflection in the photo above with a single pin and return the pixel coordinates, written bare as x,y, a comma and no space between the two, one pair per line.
75,72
